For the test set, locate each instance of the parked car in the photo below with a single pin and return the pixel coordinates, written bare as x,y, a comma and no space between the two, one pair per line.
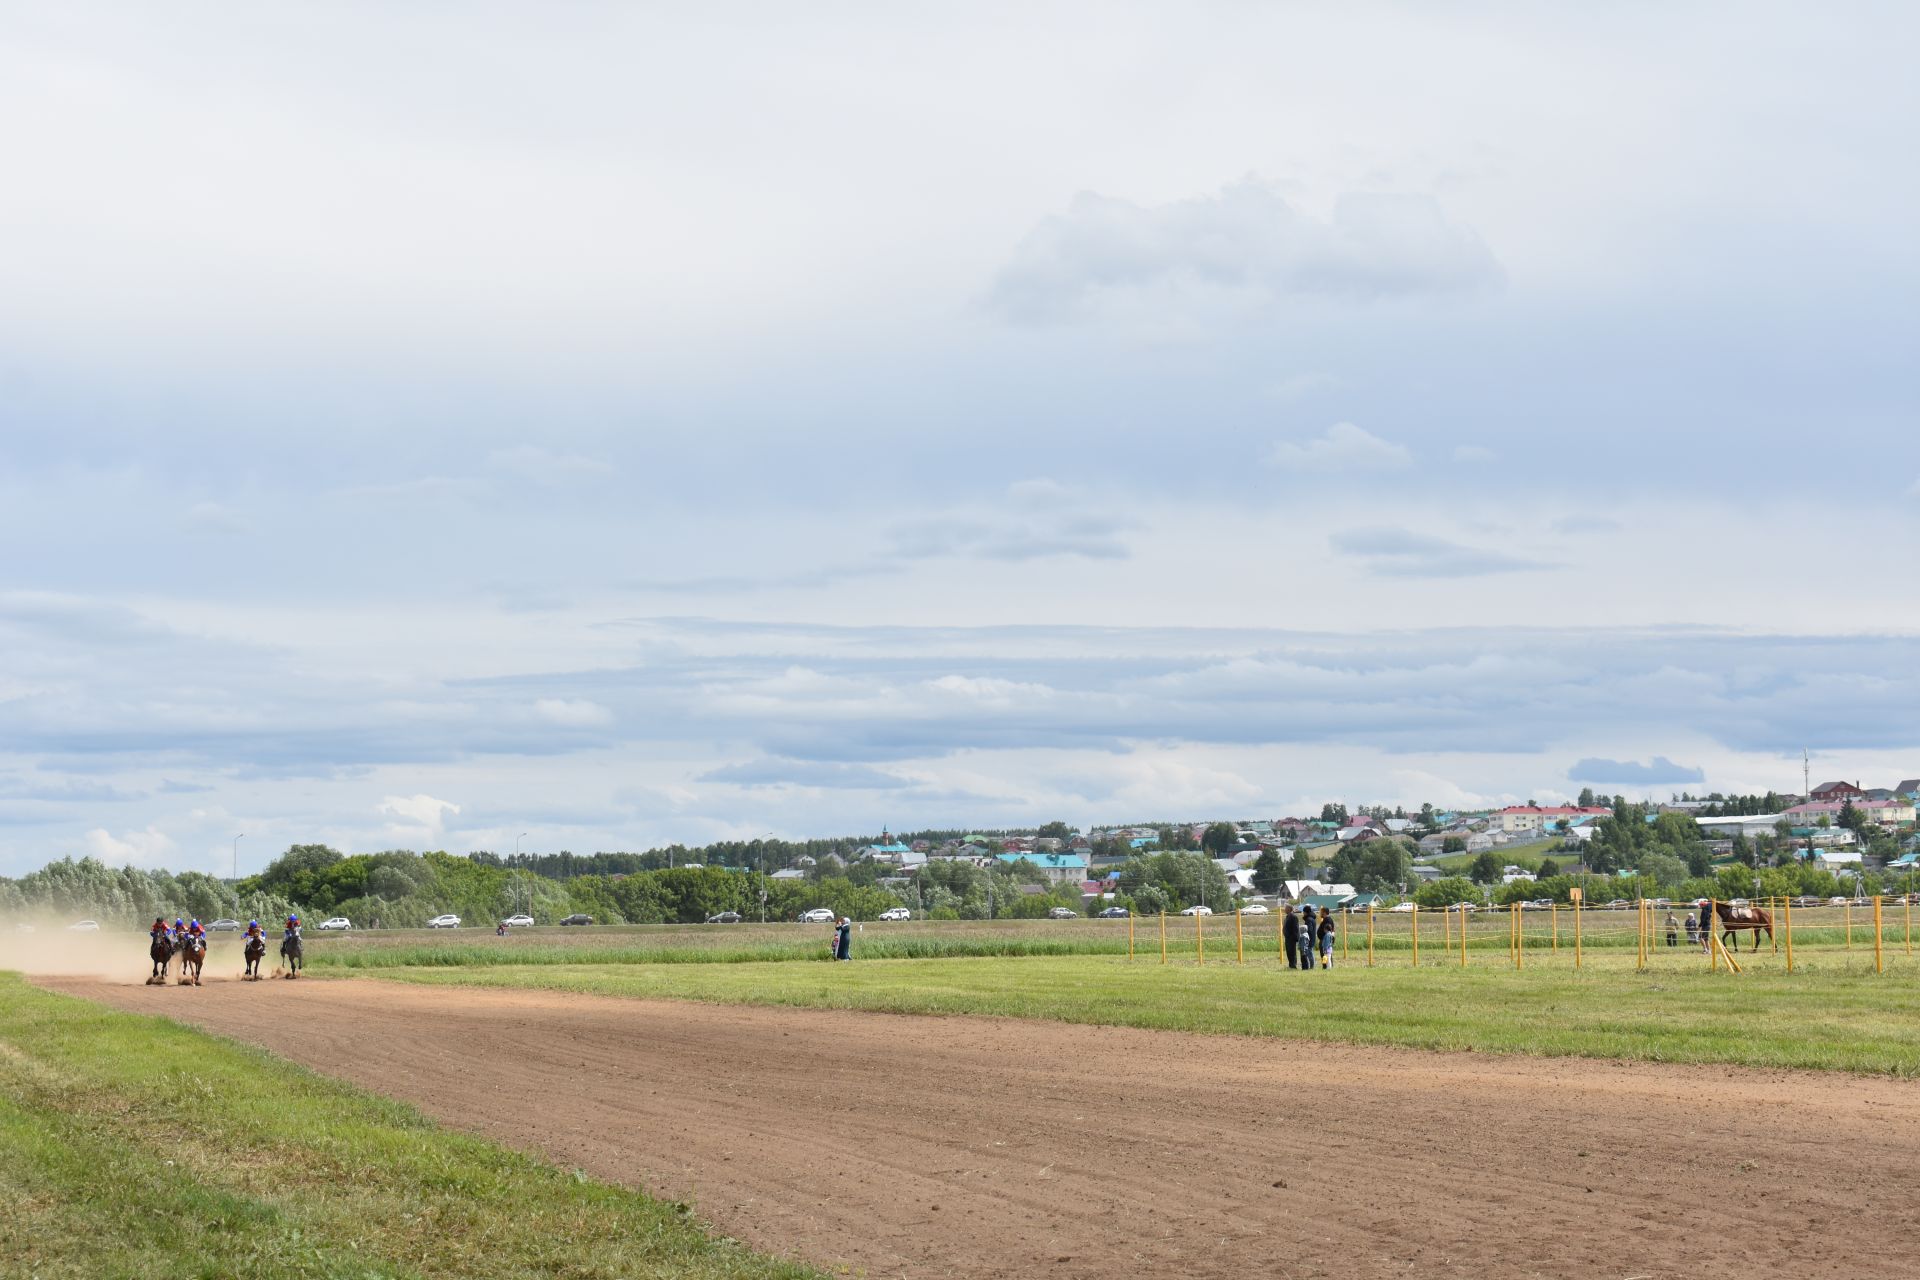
1255,909
1401,906
341,922
84,926
577,919
724,917
819,915
1062,913
1197,911
224,925
896,913
1837,901
1115,913
448,921
521,921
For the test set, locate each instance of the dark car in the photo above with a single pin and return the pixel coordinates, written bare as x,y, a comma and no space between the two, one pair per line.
724,917
578,920
1114,913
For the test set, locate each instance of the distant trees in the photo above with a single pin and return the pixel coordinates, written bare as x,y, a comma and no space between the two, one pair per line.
1269,871
1333,813
1485,869
1453,844
1219,837
1181,878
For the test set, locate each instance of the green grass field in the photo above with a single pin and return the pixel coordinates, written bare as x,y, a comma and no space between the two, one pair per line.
133,1147
1827,1016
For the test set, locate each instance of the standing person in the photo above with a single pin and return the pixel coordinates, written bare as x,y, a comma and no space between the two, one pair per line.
1673,930
843,941
1290,935
1693,930
1326,932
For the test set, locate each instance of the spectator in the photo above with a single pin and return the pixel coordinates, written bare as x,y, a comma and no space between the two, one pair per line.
843,941
1673,930
1326,932
1693,930
1290,934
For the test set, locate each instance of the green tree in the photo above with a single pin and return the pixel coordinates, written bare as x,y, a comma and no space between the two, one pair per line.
1548,869
1485,869
1219,837
1269,871
1453,844
1333,813
1440,893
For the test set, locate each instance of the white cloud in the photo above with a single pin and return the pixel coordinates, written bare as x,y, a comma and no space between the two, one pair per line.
422,810
148,848
575,713
1344,447
1245,243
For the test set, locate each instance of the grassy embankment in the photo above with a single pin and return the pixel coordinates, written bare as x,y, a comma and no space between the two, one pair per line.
1833,1013
131,1146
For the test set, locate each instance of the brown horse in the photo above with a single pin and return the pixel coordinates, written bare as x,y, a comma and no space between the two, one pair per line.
256,951
193,954
162,953
1734,918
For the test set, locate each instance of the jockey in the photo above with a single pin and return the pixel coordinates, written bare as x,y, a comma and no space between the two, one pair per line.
253,929
195,928
293,927
179,928
159,929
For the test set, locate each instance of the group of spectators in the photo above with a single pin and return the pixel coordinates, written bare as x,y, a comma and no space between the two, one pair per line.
1305,933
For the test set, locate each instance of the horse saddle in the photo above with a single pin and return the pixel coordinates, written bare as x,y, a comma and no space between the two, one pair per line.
1741,913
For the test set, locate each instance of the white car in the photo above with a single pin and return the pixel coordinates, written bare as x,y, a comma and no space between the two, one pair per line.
1401,906
337,922
521,921
819,915
1197,911
448,921
84,926
896,913
1255,909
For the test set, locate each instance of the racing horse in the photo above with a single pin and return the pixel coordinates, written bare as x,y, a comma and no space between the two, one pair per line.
193,954
256,951
1734,918
162,953
292,953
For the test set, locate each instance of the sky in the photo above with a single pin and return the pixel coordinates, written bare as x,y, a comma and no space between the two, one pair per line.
593,426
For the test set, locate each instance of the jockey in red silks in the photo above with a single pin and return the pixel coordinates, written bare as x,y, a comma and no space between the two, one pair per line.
159,929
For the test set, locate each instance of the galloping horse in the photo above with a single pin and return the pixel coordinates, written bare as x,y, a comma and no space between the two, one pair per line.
1734,918
291,952
193,954
162,953
256,951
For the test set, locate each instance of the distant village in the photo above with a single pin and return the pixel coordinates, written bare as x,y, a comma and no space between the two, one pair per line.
1840,827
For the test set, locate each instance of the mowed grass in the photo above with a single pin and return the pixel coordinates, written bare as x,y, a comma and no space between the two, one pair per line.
130,1146
1829,1015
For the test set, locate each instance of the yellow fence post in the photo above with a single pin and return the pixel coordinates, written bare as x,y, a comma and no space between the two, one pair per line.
1416,934
1446,927
1710,919
1879,965
1787,916
1163,935
1369,935
1640,936
1773,937
1346,931
1239,940
1463,938
1519,937
1576,935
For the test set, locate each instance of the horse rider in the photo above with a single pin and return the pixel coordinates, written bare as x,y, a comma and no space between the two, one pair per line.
196,932
293,930
179,930
159,930
253,931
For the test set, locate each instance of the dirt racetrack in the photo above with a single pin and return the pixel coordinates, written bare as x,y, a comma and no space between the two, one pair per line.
924,1147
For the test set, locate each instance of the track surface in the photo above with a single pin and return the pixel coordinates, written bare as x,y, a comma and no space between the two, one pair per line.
924,1147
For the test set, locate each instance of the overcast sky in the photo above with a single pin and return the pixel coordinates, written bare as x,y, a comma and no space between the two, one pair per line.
421,425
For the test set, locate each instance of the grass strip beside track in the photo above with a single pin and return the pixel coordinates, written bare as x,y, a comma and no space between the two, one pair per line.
1831,1020
131,1146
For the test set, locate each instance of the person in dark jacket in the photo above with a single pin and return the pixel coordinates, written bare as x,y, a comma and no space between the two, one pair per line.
843,942
1290,935
1325,936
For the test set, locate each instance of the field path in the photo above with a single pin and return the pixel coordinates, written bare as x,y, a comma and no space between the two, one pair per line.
935,1147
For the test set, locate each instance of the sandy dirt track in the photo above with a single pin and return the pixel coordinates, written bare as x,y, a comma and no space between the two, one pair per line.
924,1147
